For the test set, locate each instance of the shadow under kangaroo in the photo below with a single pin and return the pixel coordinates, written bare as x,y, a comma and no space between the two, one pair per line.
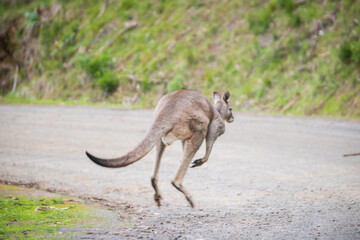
184,115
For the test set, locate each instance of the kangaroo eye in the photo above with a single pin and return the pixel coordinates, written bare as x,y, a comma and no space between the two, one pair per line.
230,108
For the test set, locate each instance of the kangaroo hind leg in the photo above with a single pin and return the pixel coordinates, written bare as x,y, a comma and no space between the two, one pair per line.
190,148
160,147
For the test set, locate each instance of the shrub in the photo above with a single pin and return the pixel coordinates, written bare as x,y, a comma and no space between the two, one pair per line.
350,52
100,68
260,21
95,66
345,53
146,84
287,5
355,49
295,21
108,82
176,83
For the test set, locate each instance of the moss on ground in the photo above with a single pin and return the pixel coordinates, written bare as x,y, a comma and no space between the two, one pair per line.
24,215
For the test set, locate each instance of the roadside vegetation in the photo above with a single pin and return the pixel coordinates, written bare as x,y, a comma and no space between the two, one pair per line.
25,215
297,57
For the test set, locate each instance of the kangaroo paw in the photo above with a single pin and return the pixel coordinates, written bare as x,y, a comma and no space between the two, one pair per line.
197,163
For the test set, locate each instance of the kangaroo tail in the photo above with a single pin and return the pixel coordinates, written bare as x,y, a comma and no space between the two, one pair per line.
139,152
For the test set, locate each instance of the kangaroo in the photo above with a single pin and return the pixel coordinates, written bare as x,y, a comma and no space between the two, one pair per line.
184,115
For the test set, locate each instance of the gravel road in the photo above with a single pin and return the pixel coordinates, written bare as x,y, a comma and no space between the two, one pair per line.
268,177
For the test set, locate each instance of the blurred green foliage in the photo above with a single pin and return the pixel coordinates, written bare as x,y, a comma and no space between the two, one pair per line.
263,51
349,52
32,18
176,83
108,82
260,21
100,68
96,66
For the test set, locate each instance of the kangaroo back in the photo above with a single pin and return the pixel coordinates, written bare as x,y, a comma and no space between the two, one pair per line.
139,152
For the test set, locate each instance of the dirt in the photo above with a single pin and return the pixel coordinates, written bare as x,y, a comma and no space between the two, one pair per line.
268,177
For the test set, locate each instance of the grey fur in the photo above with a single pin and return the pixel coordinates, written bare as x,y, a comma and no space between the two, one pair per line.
184,115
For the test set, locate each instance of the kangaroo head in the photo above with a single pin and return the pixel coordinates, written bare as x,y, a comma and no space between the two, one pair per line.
221,103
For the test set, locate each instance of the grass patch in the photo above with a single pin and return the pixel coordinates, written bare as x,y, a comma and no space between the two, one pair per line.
26,213
26,217
13,99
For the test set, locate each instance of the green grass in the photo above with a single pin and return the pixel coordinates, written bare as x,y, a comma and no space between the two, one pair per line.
27,213
37,218
14,99
261,50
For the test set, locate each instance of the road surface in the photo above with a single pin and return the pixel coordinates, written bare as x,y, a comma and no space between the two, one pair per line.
268,177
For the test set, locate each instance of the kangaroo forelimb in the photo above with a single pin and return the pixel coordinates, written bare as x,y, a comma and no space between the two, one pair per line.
216,128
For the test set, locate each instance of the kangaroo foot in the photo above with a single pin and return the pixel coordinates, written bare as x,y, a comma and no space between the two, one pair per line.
157,198
197,163
157,195
186,194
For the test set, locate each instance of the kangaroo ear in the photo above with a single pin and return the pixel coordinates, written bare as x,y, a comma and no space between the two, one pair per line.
226,96
216,97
